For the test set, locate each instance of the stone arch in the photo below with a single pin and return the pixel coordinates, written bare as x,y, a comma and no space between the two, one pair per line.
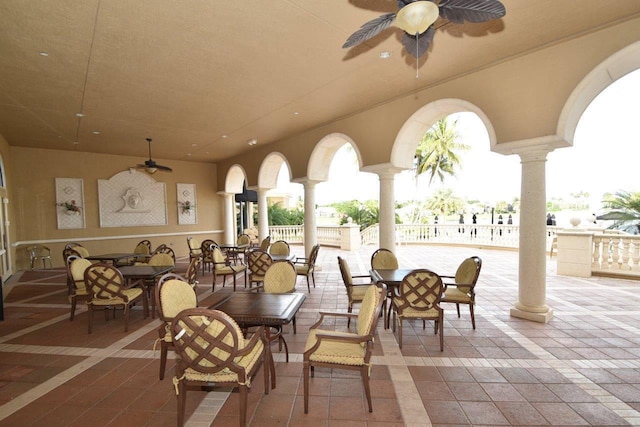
608,71
322,155
404,147
270,168
236,176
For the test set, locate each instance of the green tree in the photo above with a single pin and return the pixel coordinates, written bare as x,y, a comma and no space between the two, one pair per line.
624,209
278,215
445,203
438,151
364,214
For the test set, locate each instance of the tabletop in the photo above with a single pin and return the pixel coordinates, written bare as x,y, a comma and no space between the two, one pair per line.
112,257
277,257
144,271
389,277
261,308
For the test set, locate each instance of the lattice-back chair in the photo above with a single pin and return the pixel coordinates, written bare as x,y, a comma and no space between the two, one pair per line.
307,266
77,247
280,278
355,291
211,351
418,297
265,243
192,272
384,259
206,248
173,294
39,253
143,250
222,267
107,290
195,250
279,247
461,290
345,350
164,249
258,262
76,266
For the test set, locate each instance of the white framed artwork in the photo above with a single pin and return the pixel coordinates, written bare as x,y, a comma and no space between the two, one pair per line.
132,199
70,203
187,209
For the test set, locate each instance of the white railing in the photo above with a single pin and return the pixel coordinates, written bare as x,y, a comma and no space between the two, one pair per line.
616,254
288,233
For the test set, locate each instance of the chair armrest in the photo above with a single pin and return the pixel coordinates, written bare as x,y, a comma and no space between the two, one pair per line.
258,335
333,314
301,260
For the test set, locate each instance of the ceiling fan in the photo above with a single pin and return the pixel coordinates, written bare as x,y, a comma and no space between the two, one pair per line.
151,166
416,18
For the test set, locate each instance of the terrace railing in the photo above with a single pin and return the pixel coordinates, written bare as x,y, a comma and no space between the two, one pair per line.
616,254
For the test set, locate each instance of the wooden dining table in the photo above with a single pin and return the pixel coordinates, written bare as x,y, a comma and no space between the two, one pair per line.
113,258
145,275
259,308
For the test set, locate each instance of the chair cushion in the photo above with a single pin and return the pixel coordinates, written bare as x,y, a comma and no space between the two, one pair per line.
82,251
357,292
455,295
342,353
175,296
412,313
367,310
227,376
302,269
131,294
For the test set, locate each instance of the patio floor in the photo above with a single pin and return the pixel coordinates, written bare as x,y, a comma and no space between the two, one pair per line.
582,368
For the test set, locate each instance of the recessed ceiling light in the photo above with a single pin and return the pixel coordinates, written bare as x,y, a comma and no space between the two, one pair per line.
224,136
295,113
44,54
189,154
385,54
96,132
194,145
79,115
253,141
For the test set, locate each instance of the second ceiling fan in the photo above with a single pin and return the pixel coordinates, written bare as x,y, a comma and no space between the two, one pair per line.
150,165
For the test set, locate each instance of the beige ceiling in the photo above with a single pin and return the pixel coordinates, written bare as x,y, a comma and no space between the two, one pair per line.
189,72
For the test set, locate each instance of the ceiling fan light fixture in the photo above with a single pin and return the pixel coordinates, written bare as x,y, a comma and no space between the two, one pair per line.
417,17
150,170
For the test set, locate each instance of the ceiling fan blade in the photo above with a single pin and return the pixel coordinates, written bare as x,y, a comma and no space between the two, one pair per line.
475,11
164,168
417,47
370,29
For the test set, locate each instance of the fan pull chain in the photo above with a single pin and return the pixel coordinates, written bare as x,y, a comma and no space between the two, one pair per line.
417,50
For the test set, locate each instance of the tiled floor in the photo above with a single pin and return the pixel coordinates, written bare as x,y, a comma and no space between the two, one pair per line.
582,368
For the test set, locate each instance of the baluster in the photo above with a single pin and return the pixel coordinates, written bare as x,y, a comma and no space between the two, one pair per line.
635,256
596,260
625,250
615,253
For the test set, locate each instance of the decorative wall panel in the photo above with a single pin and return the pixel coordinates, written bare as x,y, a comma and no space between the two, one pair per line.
70,203
187,209
132,199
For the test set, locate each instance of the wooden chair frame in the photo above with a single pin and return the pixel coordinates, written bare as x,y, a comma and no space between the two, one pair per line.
464,285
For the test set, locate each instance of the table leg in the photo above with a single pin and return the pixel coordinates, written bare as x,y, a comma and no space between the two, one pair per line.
270,356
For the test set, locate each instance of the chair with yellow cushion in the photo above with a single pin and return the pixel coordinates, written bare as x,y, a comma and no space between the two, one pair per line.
384,259
307,266
222,267
460,289
76,267
173,294
418,297
164,249
107,290
194,248
355,291
345,350
143,250
279,247
239,254
280,278
212,351
77,248
206,249
192,273
258,262
265,243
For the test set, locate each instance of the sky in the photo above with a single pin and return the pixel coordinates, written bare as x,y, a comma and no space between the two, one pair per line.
604,158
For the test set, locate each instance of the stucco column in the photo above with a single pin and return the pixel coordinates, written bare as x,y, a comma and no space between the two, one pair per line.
310,223
229,219
263,213
387,237
531,302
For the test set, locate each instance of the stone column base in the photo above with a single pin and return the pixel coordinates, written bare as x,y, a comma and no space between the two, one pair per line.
543,317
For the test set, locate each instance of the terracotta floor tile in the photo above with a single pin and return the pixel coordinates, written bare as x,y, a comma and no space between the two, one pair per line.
468,391
483,413
598,414
521,413
559,414
346,408
446,412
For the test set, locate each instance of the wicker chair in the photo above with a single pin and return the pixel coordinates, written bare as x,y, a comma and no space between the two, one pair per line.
307,266
212,351
195,250
460,289
107,290
173,294
222,267
265,243
344,350
355,291
418,297
384,259
76,267
279,247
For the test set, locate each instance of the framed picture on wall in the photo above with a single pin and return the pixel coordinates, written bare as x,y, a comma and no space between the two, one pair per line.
187,209
70,203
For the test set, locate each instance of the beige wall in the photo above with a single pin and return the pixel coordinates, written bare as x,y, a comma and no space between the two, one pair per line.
32,201
522,98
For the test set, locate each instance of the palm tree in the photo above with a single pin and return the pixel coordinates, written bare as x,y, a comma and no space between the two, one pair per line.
445,203
438,151
624,209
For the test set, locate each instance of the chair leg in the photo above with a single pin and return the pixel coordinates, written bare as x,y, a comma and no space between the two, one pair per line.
365,380
213,288
441,321
400,332
234,282
308,285
182,399
313,277
349,310
458,309
305,374
73,307
286,347
473,318
126,318
90,313
243,404
163,358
